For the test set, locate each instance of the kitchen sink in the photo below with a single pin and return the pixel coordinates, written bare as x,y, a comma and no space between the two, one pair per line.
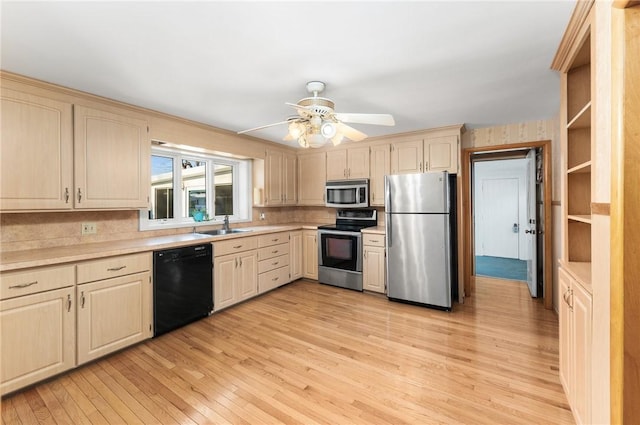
220,232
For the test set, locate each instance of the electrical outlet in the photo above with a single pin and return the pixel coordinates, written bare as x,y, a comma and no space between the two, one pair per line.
261,216
89,228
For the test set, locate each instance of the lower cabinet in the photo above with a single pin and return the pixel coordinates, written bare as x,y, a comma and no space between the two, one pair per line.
112,314
114,304
38,337
310,254
235,271
373,266
295,255
273,261
575,312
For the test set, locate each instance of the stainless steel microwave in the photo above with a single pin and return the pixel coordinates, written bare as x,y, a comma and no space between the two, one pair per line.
347,193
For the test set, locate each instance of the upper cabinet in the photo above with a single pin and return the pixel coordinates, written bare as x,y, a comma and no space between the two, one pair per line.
111,166
350,163
58,155
280,181
36,154
380,166
312,176
439,153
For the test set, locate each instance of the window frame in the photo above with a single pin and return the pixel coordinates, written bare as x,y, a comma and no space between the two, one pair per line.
241,183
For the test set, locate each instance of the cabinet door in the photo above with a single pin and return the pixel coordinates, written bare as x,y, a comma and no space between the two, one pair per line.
565,336
112,157
113,314
581,353
310,254
406,157
247,275
36,153
273,178
373,269
337,164
312,176
380,167
441,154
290,179
224,272
358,163
37,338
295,255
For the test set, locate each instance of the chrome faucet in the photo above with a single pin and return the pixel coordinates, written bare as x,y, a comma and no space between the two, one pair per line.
225,226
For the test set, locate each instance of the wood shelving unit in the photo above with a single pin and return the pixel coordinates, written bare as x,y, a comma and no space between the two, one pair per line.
578,165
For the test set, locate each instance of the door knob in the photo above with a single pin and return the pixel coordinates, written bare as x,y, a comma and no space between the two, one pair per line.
533,232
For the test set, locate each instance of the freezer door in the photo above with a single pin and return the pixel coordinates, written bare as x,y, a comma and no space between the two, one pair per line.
418,260
416,193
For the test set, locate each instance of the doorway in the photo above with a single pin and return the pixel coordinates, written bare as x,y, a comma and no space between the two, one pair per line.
499,205
541,210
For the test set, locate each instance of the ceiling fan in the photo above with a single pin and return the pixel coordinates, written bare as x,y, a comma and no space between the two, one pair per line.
317,122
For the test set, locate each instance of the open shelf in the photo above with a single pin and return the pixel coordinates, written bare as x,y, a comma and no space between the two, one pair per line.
580,218
582,119
584,167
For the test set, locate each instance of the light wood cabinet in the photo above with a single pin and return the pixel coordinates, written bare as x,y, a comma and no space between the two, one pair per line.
441,154
235,271
36,154
350,163
373,266
380,159
575,345
273,261
111,160
295,255
428,154
115,307
310,254
37,325
312,176
280,178
113,314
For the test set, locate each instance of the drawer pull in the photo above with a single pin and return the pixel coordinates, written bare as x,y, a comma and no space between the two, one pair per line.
82,299
275,240
374,241
23,285
115,269
237,246
275,278
275,252
276,263
68,303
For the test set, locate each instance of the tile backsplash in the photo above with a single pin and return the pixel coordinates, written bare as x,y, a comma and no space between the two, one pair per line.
23,231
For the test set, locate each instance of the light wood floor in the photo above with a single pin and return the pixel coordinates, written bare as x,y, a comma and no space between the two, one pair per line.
314,354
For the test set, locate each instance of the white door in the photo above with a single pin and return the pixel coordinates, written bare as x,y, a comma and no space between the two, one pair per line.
531,228
498,224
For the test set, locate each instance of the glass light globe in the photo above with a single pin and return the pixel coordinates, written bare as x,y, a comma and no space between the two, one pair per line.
316,140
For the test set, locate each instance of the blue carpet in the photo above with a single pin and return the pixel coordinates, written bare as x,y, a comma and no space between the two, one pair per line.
504,268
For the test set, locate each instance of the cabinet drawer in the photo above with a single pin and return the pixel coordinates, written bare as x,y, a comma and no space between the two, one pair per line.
273,239
273,251
273,263
373,239
31,281
273,279
113,267
234,245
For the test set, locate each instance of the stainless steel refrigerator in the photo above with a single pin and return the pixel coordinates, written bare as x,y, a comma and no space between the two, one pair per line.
420,222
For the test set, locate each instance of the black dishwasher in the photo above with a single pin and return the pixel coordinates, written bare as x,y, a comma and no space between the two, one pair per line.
182,286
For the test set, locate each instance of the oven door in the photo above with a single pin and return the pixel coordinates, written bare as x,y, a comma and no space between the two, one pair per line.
339,249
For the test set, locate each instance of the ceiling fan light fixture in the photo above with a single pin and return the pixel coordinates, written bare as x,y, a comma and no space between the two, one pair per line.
328,129
302,141
316,140
296,129
337,139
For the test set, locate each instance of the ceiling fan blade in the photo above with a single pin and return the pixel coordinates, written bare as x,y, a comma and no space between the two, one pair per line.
376,119
350,132
263,126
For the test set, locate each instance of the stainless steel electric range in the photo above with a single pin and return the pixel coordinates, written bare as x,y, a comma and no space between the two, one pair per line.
340,248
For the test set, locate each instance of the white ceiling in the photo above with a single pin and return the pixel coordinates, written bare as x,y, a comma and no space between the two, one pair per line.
234,64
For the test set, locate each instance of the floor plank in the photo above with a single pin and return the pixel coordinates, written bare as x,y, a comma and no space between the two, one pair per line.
314,354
